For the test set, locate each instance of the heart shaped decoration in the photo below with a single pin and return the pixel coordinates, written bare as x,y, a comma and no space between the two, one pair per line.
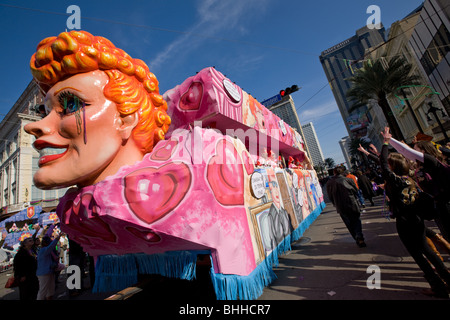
192,98
152,192
165,151
225,175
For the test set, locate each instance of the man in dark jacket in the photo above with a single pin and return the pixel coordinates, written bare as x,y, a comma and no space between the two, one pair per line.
343,193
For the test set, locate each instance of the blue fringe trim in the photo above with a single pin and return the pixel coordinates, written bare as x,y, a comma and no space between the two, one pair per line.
234,287
115,273
305,224
179,264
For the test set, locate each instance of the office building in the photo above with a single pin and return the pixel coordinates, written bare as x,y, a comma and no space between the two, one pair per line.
285,110
430,42
339,63
345,146
407,104
312,141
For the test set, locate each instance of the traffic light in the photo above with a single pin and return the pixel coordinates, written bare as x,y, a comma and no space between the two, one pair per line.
288,91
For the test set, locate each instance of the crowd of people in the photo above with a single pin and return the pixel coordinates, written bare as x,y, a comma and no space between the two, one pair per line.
415,182
41,258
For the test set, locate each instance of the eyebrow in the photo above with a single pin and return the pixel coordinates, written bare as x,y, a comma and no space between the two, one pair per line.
58,91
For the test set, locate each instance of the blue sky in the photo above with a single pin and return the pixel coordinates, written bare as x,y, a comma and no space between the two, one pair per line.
262,45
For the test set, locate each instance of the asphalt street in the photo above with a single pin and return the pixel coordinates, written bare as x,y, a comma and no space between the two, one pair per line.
326,263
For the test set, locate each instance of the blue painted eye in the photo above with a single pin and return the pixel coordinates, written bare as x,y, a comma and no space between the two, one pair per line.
70,102
73,104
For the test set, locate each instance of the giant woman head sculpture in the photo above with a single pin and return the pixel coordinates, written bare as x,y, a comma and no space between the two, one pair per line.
103,110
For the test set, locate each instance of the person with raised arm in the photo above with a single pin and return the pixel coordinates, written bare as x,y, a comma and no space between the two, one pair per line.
433,176
410,227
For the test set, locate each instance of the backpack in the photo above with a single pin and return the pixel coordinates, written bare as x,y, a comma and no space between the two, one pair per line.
419,202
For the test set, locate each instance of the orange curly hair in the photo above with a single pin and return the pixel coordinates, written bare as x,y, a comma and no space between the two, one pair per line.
131,85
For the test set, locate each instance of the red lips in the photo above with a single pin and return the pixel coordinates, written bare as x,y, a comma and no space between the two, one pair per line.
41,144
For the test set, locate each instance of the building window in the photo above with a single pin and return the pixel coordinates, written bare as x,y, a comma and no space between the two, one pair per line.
13,182
50,194
13,193
423,115
5,196
436,51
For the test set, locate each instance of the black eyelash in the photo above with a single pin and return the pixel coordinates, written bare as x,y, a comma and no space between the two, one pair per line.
64,97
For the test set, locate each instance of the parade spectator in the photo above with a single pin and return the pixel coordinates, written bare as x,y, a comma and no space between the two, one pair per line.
64,246
348,174
410,227
365,186
433,177
36,240
25,266
373,155
36,246
436,238
45,268
343,193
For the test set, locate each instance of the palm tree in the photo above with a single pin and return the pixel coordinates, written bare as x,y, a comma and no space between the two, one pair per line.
377,81
329,162
319,168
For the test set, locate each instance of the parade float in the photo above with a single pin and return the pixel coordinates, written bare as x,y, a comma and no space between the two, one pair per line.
19,227
206,169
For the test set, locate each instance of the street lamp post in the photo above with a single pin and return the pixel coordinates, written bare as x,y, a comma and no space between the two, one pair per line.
434,111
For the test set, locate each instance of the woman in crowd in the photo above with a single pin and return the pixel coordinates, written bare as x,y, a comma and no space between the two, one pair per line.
45,270
433,177
410,227
25,266
365,186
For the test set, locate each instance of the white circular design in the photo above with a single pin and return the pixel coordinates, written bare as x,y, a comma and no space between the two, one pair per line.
231,90
258,185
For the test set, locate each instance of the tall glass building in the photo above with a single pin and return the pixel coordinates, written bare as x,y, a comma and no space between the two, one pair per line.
285,110
313,143
339,63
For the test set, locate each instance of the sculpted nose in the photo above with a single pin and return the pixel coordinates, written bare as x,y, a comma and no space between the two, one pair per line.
38,128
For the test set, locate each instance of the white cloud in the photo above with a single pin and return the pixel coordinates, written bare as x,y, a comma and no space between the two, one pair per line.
214,16
315,113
